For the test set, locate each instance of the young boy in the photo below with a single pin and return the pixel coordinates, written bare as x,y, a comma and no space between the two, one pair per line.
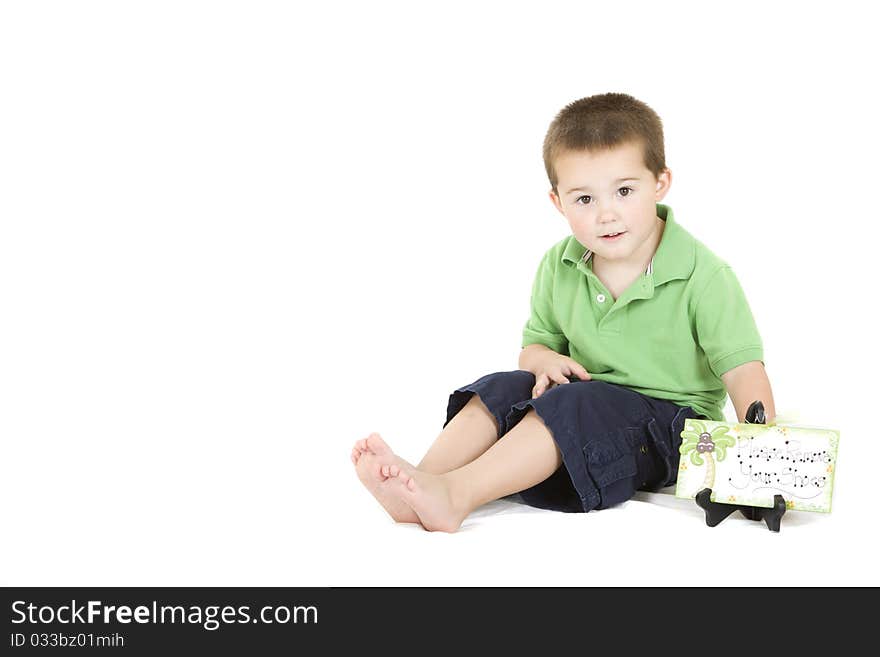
635,326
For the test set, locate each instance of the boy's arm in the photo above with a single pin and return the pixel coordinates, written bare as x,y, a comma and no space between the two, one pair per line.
747,383
531,354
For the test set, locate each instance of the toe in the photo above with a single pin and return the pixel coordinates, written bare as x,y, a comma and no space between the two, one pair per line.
376,444
393,470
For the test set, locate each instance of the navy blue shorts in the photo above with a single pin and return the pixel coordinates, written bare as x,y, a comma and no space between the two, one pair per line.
614,441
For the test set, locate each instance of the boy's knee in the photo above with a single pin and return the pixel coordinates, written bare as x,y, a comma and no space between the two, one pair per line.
476,405
475,408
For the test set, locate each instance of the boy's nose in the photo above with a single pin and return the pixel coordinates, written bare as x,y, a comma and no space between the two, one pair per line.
605,212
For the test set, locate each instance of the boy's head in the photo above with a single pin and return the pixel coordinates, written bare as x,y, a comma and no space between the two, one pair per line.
592,145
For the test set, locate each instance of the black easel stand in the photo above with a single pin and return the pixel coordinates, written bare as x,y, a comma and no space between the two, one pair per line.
716,512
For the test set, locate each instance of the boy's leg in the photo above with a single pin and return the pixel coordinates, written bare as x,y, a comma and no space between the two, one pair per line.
471,432
527,455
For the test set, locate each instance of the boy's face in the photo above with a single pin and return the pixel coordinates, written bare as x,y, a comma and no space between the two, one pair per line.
597,202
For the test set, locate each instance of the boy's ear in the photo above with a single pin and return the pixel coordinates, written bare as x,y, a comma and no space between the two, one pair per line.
664,181
556,202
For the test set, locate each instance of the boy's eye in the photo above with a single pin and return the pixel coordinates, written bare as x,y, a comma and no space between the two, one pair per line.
627,189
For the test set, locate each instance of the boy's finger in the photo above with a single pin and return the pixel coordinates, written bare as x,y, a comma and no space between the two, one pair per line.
576,369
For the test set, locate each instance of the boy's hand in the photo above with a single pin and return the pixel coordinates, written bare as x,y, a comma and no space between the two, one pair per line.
556,368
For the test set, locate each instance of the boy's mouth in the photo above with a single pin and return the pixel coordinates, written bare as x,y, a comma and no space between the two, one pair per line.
613,236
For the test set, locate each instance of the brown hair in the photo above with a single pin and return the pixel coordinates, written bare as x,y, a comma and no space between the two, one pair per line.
602,122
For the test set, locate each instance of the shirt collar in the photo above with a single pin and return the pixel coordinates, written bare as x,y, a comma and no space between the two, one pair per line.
589,254
673,259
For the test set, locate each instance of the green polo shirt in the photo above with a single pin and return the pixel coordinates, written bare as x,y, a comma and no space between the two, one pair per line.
670,335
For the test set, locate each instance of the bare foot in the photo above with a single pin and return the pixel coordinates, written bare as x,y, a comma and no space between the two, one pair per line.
431,498
370,455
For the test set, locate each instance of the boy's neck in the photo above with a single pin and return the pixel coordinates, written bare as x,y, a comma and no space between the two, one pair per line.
623,272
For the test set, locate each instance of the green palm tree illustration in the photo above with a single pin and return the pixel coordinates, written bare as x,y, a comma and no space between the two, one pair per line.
700,441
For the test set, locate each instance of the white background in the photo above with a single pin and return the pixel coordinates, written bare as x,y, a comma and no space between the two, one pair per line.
238,236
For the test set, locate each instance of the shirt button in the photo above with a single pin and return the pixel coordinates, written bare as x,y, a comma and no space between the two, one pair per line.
600,298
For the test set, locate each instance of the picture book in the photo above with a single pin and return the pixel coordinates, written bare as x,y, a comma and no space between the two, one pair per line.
751,463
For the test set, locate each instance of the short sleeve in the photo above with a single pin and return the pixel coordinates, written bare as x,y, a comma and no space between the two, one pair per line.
542,327
725,326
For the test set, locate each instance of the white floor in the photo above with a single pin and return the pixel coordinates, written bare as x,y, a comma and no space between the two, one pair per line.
653,539
343,538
